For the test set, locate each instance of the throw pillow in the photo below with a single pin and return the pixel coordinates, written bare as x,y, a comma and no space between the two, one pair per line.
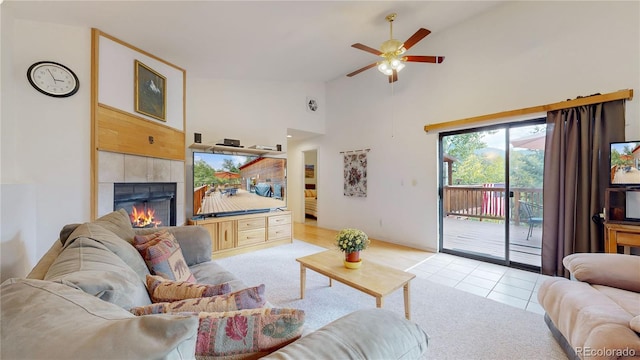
247,333
249,298
161,252
163,290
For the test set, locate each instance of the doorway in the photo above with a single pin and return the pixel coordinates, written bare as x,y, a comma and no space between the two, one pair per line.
310,194
491,193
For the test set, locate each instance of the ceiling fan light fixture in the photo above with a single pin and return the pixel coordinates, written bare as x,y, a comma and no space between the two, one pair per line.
391,52
389,64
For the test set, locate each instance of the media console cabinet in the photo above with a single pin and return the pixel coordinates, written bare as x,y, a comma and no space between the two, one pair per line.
621,207
233,235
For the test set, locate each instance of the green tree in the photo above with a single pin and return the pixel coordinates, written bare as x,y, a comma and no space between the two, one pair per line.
477,169
463,145
526,169
203,173
228,165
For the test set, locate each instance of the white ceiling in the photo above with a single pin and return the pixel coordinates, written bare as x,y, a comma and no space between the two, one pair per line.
257,40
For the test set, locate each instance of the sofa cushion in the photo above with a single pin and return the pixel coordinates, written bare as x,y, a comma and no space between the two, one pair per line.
247,333
161,252
119,223
123,249
47,320
586,317
163,290
212,273
250,298
363,334
628,300
617,270
635,324
91,266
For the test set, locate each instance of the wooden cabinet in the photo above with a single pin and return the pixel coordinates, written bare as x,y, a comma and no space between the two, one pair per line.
622,219
237,234
621,235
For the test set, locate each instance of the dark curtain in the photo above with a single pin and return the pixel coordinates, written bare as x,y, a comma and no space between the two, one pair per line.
576,175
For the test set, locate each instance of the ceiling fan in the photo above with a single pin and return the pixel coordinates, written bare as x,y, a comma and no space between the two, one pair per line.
391,50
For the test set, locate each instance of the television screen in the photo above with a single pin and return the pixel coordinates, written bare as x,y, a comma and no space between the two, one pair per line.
632,209
225,185
625,163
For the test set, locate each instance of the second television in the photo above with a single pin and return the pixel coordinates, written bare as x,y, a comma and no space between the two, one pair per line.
226,185
624,161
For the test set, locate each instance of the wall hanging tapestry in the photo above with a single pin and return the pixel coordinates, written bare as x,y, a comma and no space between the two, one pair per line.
355,173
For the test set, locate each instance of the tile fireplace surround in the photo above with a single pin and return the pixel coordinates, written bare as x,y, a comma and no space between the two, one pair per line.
122,168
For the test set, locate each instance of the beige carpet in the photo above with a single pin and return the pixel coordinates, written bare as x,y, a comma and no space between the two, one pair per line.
460,325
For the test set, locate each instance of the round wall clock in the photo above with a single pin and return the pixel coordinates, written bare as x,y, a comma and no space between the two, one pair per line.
53,79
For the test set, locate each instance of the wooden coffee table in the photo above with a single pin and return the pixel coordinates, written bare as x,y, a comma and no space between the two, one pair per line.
371,278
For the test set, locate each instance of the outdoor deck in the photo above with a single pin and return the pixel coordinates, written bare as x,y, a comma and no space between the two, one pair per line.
218,202
487,238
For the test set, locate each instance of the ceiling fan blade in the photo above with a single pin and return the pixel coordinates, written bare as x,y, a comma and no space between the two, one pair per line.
366,48
362,69
426,59
419,35
394,77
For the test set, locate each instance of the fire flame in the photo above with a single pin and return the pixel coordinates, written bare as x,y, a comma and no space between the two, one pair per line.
141,218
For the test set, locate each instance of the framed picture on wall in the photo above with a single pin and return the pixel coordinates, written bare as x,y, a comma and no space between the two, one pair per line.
309,172
150,92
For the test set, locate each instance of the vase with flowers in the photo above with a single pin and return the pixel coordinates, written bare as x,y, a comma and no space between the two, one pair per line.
351,242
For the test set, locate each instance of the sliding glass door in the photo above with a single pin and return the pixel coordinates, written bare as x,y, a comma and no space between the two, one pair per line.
491,193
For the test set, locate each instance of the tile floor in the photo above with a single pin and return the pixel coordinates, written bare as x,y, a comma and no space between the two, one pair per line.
513,287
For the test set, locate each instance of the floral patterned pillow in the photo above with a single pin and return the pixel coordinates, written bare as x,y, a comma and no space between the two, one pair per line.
247,333
249,298
163,256
163,290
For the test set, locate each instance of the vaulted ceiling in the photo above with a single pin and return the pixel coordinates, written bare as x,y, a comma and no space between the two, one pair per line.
257,40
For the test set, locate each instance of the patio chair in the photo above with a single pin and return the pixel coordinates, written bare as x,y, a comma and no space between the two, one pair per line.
531,219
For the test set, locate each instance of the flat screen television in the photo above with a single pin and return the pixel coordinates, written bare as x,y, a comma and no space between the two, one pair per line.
624,160
227,185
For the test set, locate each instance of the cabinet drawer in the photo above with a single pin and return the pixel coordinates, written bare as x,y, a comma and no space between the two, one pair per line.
252,223
279,220
628,238
253,236
279,231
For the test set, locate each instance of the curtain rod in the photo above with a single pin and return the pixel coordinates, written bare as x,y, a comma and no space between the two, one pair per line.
355,151
580,101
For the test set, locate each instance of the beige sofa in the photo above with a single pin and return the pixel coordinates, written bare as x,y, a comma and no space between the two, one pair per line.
596,315
74,305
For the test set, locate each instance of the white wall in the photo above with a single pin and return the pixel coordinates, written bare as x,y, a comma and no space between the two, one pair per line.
45,142
254,112
520,54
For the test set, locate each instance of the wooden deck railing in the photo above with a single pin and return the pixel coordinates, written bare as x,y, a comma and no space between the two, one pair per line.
487,202
198,194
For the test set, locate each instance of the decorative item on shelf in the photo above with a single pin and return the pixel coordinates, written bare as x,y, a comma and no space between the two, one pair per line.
351,242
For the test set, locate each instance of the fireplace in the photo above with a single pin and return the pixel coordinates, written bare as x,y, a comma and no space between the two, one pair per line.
148,204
